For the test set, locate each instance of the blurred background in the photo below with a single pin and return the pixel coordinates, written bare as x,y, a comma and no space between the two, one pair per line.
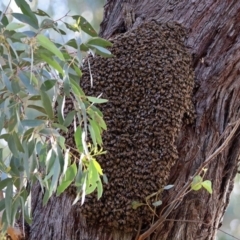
92,10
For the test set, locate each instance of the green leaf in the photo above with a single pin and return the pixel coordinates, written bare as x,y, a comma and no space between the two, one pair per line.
27,82
136,205
157,203
69,118
12,122
52,63
49,132
62,187
46,196
78,139
76,89
92,173
196,183
2,205
5,136
56,175
96,100
60,108
8,201
12,146
96,131
91,187
101,51
13,25
46,43
99,120
32,123
26,19
105,179
35,98
97,166
77,70
59,31
4,183
99,189
40,12
207,184
99,42
47,104
28,134
17,142
63,128
71,27
85,25
47,23
92,133
15,86
7,82
3,19
38,108
26,10
15,208
71,172
48,84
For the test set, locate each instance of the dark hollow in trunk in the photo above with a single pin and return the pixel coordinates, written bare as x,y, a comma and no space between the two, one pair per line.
214,41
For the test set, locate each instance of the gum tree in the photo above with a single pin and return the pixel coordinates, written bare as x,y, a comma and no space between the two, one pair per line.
212,142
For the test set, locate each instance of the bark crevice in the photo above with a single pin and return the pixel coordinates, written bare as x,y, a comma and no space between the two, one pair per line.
214,41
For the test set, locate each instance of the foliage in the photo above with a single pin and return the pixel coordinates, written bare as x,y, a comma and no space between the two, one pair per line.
152,199
198,183
37,74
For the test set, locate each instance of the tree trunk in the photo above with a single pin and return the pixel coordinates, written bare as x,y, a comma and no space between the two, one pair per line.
214,41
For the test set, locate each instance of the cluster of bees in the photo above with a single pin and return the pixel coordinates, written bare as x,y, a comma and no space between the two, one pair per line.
149,84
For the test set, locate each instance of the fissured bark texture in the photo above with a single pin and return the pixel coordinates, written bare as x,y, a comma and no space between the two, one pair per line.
214,42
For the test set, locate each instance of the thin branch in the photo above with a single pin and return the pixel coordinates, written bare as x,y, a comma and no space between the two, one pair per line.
188,184
207,224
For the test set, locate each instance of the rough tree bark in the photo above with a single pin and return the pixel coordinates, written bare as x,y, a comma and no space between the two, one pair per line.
214,41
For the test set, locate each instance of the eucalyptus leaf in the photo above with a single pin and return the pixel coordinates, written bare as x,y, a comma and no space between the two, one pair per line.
85,25
32,123
53,63
27,82
26,10
56,174
14,25
99,42
47,104
17,142
69,118
25,19
78,139
101,51
48,84
38,108
40,12
49,45
8,201
96,131
97,100
99,190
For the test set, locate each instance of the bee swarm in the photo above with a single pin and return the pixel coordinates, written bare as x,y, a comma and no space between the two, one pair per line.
149,86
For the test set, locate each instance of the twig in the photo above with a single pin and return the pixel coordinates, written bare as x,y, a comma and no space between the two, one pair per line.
207,224
182,192
139,229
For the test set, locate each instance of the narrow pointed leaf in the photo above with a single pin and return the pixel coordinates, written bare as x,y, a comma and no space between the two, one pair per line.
47,104
46,43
